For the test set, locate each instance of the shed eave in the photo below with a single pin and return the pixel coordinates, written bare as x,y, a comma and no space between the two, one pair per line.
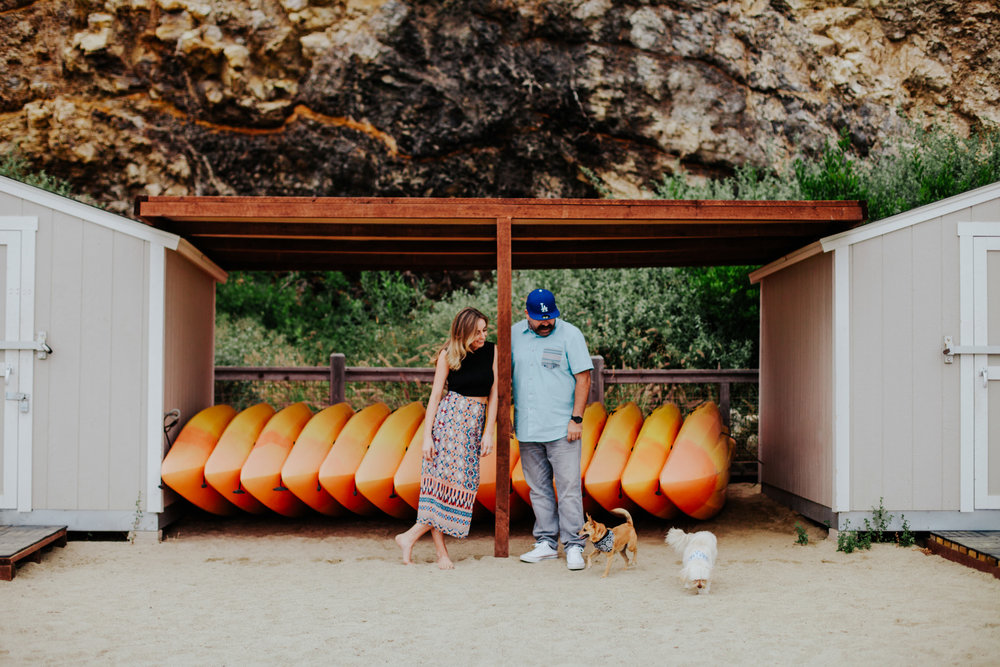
814,248
912,217
87,212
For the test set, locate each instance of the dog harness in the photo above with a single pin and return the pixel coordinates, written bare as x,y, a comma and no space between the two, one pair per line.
606,543
699,554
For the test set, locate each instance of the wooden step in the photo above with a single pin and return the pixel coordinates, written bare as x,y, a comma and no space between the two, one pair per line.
19,543
979,549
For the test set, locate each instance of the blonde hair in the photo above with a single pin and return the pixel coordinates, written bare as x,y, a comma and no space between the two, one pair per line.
464,329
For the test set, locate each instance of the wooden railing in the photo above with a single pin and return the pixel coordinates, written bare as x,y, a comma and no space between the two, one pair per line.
338,374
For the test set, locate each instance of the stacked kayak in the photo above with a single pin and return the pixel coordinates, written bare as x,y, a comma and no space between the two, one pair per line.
339,462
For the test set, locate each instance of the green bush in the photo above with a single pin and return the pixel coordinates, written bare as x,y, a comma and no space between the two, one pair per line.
14,165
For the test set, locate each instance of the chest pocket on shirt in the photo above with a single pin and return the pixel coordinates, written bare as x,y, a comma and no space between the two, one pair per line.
552,357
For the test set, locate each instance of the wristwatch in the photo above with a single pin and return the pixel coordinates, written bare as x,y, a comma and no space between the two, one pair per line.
577,419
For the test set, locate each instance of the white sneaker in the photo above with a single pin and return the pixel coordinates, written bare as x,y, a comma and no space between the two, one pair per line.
541,551
574,557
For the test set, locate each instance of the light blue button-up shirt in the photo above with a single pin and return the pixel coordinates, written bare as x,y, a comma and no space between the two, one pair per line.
543,369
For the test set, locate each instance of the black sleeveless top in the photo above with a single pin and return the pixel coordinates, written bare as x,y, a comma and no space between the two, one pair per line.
475,376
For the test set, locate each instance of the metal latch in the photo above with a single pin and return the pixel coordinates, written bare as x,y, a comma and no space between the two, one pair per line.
950,349
41,348
21,398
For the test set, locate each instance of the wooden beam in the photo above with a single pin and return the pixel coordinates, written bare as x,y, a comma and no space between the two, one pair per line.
359,230
353,208
501,540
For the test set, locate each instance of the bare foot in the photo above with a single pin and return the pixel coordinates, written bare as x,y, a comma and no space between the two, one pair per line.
405,543
444,563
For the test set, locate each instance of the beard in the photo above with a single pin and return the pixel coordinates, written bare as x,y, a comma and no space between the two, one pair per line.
542,329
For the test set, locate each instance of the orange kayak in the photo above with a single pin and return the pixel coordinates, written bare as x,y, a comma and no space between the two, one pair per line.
374,478
222,470
261,474
487,494
594,418
722,454
603,478
183,468
691,476
641,477
300,472
336,474
406,481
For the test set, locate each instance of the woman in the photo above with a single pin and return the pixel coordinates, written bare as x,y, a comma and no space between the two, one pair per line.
458,430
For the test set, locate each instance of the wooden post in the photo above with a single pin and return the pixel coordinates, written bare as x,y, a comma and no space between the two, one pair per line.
597,381
501,537
724,403
338,366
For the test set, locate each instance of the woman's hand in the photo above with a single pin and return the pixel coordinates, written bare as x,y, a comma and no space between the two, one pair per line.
427,449
486,448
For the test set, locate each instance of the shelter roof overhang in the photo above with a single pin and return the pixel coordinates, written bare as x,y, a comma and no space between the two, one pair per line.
424,234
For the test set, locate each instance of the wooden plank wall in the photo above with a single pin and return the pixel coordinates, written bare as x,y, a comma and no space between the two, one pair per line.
189,339
904,399
88,400
796,379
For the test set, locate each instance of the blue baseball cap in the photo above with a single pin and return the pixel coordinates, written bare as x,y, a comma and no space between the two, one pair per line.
541,305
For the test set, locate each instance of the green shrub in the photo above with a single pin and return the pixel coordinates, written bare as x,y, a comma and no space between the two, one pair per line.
14,165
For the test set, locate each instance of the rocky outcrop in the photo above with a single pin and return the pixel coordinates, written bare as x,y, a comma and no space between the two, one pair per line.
470,97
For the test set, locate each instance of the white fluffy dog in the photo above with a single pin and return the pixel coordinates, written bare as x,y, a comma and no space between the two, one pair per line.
698,552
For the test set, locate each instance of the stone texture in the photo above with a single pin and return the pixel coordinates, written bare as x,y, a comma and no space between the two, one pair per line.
470,98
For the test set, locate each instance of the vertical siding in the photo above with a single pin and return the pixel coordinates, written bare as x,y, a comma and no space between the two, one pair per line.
41,427
94,383
904,399
796,392
928,417
897,370
89,409
949,439
128,384
189,338
64,323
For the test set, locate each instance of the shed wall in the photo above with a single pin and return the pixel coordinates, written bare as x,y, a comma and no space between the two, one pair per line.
88,407
904,410
189,338
796,379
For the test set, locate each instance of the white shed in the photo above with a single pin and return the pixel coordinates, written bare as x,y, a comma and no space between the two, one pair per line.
880,370
129,314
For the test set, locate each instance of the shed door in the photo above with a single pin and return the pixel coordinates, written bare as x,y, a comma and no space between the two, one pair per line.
986,269
17,270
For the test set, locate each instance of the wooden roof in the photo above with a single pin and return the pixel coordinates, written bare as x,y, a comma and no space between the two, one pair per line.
347,233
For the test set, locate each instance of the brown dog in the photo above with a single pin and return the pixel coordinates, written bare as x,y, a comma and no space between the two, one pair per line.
613,541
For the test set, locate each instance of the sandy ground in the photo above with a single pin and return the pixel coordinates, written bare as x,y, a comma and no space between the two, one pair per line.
326,591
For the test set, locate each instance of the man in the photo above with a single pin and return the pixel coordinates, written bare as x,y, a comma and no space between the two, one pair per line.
551,378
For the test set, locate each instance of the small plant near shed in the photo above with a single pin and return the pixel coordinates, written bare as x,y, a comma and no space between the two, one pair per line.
136,520
876,530
801,536
905,538
878,527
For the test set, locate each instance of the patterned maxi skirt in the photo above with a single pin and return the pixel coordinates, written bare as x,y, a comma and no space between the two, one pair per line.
448,483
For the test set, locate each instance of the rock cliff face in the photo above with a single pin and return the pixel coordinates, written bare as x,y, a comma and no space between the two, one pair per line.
469,97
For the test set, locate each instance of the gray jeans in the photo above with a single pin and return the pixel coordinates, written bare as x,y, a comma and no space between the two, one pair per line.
559,462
